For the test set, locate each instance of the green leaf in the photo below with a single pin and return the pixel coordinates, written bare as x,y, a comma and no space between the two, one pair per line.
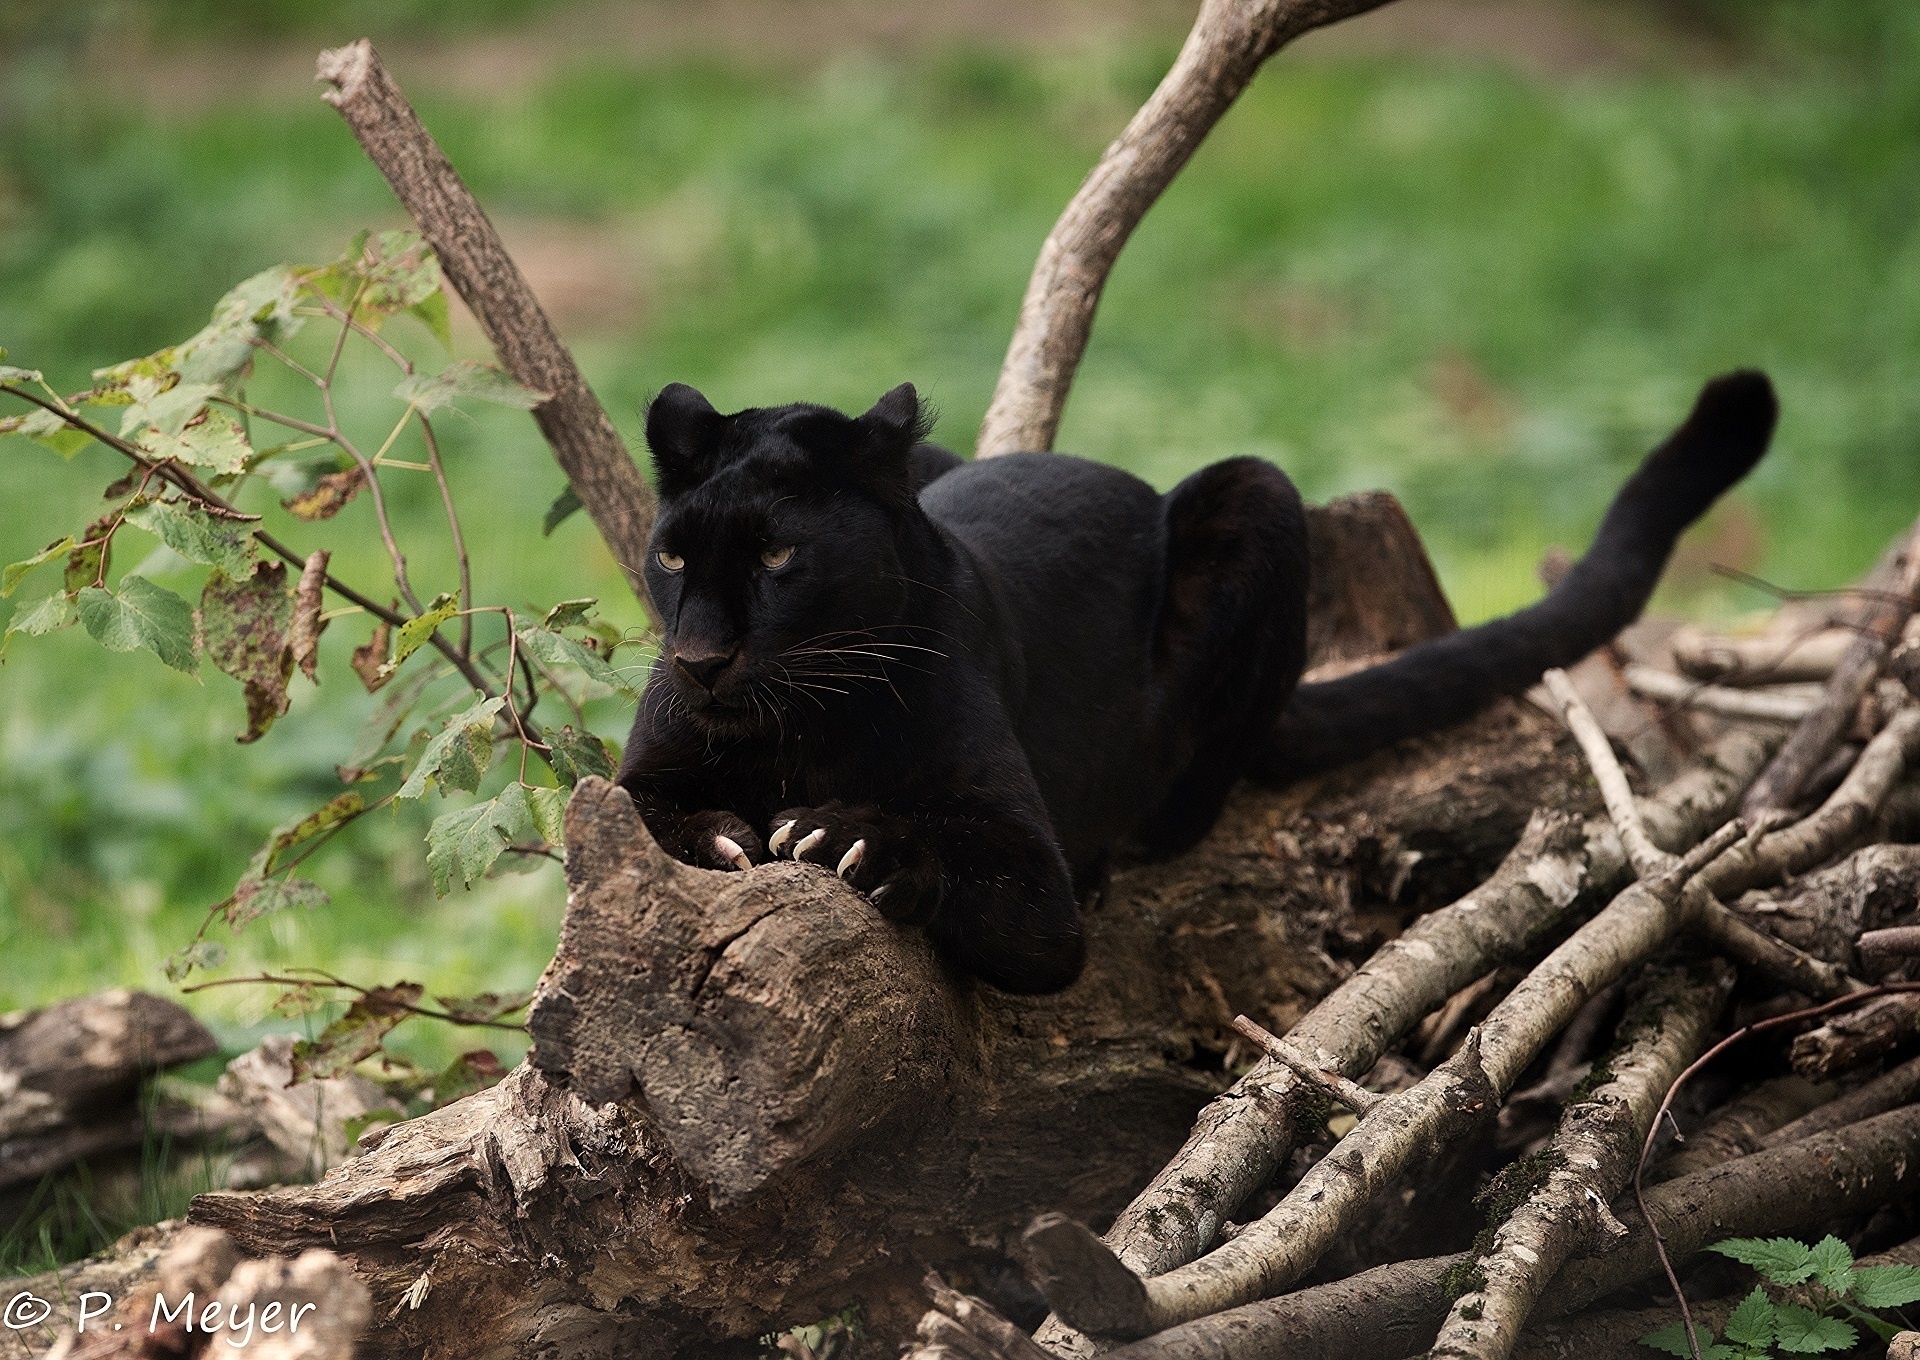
11,578
1780,1259
255,309
1886,1286
141,614
243,627
254,899
578,754
432,313
466,842
554,650
298,831
211,441
486,1006
356,1035
563,505
199,954
163,406
88,562
298,1001
459,753
381,727
1804,1332
470,1072
197,536
1832,1264
548,809
568,613
46,427
400,273
1673,1340
414,632
54,612
1753,1322
466,378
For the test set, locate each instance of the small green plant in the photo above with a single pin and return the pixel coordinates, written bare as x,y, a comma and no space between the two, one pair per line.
1835,1289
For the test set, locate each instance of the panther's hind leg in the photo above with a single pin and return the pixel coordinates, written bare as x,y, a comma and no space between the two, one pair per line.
1231,638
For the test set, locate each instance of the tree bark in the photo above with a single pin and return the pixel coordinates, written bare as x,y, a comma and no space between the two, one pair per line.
803,1108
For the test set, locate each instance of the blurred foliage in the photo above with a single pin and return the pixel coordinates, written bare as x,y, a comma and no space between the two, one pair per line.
1487,291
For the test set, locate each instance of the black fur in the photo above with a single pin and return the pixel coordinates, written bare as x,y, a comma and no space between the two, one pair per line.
991,674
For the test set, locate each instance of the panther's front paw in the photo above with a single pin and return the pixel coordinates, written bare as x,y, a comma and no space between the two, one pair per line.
880,855
720,840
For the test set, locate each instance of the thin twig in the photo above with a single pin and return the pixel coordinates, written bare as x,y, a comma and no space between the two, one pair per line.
1351,1094
1647,858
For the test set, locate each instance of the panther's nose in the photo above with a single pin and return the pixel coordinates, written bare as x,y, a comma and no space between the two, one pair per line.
703,670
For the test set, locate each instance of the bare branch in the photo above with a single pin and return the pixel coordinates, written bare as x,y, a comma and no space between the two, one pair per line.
1229,42
583,439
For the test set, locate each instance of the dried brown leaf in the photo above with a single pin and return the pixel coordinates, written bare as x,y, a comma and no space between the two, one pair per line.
307,623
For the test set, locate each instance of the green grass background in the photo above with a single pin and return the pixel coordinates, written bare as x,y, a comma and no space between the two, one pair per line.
1488,291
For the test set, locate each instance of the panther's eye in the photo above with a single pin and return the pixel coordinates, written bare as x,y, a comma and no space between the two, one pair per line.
775,558
671,561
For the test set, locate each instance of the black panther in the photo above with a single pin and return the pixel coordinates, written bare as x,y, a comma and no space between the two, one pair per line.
961,685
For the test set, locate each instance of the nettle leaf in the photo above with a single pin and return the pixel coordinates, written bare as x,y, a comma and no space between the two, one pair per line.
554,650
568,613
413,634
141,614
466,842
298,831
466,1074
563,505
16,572
1780,1259
211,440
1832,1264
199,954
357,1035
1801,1331
197,536
254,899
459,753
1886,1286
399,270
486,1006
46,427
548,809
1753,1323
427,393
243,627
54,612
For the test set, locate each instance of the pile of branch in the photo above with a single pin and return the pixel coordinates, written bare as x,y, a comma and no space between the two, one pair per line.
1802,911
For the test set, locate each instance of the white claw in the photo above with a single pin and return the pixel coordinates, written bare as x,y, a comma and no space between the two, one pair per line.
851,858
808,841
879,892
730,849
779,838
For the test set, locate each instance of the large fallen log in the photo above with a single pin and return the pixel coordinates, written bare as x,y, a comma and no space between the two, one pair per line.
752,1100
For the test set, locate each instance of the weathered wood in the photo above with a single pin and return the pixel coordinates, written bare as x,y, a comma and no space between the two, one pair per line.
1372,589
588,448
805,1108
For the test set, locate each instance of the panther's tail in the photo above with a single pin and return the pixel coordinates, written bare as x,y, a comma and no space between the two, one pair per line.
1451,678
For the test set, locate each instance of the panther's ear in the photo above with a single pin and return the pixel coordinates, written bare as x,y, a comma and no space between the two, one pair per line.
683,430
896,422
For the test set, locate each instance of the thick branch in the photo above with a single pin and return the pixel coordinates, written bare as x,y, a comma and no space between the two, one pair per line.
1229,41
584,441
1594,1151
